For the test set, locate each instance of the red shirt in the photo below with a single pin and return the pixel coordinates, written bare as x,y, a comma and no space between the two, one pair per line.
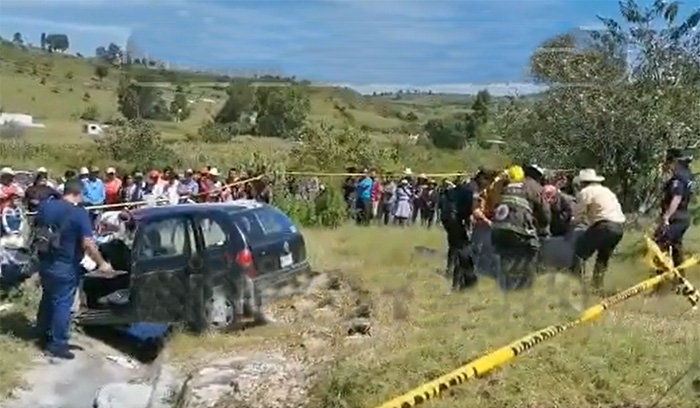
376,191
8,193
112,188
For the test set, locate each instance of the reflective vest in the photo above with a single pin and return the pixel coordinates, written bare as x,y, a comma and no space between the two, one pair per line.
514,211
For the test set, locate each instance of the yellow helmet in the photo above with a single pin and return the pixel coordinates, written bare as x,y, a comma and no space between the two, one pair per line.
516,174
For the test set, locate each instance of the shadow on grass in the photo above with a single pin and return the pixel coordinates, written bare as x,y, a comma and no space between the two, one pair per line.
17,325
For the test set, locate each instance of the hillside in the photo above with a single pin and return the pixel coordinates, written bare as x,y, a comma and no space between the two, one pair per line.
56,89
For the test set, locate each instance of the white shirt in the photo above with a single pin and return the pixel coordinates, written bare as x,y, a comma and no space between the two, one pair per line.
595,203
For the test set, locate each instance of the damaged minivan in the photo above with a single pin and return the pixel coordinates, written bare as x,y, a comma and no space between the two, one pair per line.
209,266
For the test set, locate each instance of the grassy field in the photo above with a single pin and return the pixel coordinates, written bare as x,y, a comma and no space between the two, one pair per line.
626,359
629,358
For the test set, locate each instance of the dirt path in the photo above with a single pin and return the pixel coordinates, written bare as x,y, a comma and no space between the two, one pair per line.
74,383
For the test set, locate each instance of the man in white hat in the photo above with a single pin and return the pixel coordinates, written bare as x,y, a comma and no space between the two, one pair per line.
598,208
41,171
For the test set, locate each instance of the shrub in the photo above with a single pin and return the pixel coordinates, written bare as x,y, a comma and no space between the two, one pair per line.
137,142
91,112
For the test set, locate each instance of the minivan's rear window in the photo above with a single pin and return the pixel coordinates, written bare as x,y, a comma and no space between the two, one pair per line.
262,222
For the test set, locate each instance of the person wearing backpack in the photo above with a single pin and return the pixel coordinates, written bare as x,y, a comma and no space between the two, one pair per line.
63,234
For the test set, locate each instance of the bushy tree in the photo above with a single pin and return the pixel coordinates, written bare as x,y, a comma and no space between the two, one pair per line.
180,107
141,102
239,103
56,42
136,142
611,113
281,110
101,71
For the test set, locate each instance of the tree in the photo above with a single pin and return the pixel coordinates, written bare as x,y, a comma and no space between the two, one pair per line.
240,102
57,42
180,106
137,142
17,39
281,110
141,102
450,133
616,118
113,54
101,71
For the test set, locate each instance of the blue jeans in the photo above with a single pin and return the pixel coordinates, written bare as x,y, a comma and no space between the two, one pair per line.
59,282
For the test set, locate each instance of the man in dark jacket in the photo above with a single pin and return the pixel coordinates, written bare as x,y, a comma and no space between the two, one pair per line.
456,205
519,219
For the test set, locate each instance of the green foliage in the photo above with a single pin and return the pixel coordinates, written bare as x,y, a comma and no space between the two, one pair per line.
593,117
92,112
180,106
239,103
212,132
326,147
281,110
56,42
456,131
101,71
141,102
138,143
328,209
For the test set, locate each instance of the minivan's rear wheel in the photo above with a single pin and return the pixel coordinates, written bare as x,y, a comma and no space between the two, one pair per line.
219,312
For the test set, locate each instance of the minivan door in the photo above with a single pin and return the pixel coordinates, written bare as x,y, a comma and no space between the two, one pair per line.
222,290
161,268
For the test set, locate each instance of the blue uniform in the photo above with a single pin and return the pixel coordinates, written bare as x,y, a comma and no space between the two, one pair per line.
680,184
59,269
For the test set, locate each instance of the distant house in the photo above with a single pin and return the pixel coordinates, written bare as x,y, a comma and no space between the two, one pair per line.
94,129
20,120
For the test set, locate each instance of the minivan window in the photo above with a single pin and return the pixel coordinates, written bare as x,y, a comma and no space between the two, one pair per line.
259,223
274,221
212,232
169,237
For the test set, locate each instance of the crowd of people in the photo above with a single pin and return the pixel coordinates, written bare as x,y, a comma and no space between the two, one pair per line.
521,206
518,206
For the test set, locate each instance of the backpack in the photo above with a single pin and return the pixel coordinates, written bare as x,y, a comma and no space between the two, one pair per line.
46,239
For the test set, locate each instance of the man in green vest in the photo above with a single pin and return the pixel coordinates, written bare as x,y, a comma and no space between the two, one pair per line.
520,217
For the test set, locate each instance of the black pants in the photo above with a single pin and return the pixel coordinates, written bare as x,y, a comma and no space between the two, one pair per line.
385,212
670,237
459,260
518,256
601,237
364,211
426,216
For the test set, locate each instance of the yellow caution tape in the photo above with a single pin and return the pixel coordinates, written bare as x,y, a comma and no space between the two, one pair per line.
685,288
493,360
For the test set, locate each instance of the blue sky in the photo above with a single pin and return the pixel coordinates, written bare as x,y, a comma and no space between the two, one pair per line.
445,45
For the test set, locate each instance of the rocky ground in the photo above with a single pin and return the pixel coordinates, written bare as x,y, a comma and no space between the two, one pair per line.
277,373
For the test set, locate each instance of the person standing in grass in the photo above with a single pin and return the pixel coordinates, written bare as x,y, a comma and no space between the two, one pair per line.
113,186
364,199
598,208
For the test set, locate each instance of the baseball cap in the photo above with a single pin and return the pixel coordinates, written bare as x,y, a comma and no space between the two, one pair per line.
84,171
41,170
110,170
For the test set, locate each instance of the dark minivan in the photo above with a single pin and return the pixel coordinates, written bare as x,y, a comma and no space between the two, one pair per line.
207,265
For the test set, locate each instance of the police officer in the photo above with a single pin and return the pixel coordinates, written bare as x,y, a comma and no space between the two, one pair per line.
675,216
519,218
64,234
456,205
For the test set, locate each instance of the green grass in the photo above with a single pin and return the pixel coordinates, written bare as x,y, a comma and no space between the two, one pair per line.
627,358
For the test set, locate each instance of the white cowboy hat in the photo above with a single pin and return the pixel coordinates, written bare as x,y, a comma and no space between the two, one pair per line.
41,170
84,171
588,176
214,171
423,176
407,171
7,170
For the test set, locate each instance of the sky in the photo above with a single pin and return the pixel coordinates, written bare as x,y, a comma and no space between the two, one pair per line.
456,46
